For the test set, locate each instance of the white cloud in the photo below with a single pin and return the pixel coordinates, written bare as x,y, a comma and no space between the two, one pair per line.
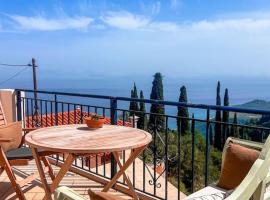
246,24
129,21
125,20
45,24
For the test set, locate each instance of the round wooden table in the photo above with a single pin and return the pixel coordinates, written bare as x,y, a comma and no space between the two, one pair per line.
77,140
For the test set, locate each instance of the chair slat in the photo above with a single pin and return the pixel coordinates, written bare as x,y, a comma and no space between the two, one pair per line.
3,120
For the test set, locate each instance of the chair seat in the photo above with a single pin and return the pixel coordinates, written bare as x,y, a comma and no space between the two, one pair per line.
209,192
21,153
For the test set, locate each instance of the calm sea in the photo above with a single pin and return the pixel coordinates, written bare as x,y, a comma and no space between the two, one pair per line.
201,90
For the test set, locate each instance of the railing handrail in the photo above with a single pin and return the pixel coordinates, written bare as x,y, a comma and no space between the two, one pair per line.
161,137
151,101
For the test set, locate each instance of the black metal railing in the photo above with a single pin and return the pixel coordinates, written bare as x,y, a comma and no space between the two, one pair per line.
173,162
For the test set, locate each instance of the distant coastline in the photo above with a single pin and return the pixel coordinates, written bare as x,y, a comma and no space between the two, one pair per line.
256,104
199,114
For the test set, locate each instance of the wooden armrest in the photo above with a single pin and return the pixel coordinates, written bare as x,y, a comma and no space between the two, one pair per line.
19,162
27,130
6,140
103,196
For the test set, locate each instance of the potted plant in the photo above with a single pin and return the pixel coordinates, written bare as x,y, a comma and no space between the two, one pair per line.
94,121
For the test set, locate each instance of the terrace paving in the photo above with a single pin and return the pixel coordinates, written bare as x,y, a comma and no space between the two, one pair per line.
34,190
82,184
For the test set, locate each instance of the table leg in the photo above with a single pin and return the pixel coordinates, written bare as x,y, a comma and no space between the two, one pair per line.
55,180
130,186
47,164
42,174
133,155
66,166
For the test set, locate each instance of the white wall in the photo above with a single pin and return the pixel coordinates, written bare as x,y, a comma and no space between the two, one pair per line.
8,100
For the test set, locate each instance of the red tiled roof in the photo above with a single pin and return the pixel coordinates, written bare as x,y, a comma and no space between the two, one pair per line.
71,117
65,118
160,168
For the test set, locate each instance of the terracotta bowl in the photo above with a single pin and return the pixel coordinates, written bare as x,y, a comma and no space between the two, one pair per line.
94,123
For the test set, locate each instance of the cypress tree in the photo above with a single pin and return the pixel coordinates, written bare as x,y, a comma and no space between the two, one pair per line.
183,124
210,135
142,118
157,94
217,137
225,117
133,106
135,95
234,128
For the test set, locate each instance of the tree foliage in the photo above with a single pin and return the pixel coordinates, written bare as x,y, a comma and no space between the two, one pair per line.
183,114
211,141
185,161
156,119
234,129
133,106
135,96
217,137
131,103
142,121
178,152
225,118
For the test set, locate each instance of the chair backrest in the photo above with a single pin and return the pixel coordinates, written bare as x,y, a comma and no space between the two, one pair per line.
252,185
10,130
245,143
3,120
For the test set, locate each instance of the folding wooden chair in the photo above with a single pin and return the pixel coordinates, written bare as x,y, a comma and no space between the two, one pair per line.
254,184
18,156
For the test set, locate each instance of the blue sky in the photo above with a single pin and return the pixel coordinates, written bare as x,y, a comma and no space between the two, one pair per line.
94,40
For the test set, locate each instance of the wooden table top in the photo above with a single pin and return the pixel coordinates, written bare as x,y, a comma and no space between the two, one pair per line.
78,138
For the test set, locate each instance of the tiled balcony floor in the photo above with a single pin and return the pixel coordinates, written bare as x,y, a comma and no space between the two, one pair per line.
34,191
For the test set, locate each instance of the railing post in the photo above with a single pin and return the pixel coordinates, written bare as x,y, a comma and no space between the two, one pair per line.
207,148
113,107
55,109
37,124
19,105
114,111
193,153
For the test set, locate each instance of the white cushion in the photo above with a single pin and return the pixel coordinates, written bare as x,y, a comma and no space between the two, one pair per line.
266,196
65,193
209,193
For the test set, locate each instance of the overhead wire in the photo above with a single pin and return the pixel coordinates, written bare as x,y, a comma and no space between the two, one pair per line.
17,73
11,65
14,75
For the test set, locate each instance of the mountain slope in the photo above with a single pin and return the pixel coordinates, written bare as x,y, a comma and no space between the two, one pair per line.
256,104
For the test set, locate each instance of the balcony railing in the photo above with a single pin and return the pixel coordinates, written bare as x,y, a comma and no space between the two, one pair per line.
162,159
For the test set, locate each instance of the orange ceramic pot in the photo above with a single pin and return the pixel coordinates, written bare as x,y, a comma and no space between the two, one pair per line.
94,123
